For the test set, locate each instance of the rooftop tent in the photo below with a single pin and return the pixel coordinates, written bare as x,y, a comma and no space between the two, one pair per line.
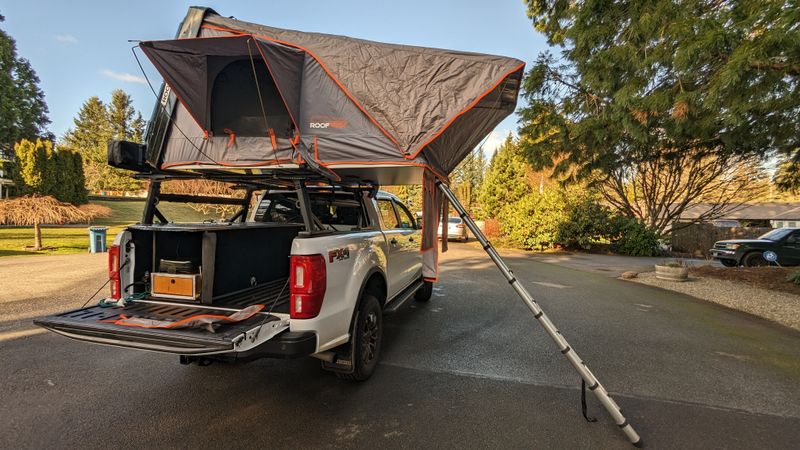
257,100
253,96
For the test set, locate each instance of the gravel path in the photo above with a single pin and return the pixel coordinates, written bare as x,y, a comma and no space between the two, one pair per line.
33,286
780,307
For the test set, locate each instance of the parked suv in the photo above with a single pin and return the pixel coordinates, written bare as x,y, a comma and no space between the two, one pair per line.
785,242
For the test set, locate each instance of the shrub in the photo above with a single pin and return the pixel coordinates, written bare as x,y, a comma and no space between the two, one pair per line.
533,221
793,276
631,237
586,222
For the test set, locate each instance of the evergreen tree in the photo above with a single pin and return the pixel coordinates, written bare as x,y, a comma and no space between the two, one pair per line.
506,179
45,171
80,195
126,123
645,80
95,125
468,176
23,111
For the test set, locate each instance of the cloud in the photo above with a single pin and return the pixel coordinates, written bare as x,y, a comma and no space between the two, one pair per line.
494,141
123,76
66,39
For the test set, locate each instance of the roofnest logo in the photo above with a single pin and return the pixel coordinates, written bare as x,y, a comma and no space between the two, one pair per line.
327,122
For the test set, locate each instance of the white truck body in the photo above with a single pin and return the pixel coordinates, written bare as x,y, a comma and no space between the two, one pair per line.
382,256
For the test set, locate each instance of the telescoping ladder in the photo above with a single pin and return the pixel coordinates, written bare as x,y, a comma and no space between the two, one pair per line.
586,375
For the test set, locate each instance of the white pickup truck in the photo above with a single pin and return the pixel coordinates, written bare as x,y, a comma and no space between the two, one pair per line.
325,263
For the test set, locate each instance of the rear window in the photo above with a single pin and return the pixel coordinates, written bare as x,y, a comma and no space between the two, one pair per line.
336,212
454,220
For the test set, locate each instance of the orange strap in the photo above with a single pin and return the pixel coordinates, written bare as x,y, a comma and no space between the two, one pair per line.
232,138
273,139
122,317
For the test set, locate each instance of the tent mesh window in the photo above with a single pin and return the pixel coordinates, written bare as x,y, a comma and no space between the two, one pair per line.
236,105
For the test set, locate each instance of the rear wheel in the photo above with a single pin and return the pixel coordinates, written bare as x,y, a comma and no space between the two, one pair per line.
366,339
423,294
728,262
754,259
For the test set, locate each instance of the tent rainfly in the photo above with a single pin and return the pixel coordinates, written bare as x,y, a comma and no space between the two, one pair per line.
254,98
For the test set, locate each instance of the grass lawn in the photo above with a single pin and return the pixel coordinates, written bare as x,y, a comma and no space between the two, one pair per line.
126,211
75,239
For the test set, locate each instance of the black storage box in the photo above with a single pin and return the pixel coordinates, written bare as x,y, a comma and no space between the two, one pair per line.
127,155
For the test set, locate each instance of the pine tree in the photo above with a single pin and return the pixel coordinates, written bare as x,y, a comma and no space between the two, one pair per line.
506,179
23,111
95,125
126,123
468,176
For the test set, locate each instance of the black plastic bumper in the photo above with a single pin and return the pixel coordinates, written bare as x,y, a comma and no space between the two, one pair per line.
287,345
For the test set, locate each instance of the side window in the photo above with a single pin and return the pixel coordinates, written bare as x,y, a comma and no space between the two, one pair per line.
406,219
793,238
388,216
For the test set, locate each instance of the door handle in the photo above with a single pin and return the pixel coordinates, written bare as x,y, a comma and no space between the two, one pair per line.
393,241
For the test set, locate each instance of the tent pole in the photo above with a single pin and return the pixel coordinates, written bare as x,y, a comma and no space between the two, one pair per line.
587,376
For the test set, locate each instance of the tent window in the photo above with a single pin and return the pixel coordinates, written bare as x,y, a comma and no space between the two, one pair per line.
235,105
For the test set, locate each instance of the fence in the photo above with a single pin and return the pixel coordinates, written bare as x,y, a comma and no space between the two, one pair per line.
698,239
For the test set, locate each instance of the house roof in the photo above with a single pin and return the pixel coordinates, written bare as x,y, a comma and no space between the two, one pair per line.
750,211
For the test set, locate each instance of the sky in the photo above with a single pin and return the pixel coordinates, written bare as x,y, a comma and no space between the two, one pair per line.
81,48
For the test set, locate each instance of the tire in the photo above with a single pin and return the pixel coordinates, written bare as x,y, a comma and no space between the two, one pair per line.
423,294
366,339
754,259
728,262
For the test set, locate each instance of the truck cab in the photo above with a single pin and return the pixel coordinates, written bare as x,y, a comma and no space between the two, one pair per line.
308,271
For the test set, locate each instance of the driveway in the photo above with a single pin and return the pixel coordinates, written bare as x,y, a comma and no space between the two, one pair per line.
611,265
471,368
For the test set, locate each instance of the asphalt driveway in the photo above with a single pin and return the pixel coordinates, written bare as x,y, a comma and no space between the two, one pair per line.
472,368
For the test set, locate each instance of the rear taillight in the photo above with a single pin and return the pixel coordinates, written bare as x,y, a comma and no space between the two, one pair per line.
307,281
113,271
459,226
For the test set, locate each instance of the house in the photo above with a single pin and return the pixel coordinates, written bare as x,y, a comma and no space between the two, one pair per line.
771,214
5,155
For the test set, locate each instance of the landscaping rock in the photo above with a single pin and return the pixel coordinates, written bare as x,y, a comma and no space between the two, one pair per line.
629,275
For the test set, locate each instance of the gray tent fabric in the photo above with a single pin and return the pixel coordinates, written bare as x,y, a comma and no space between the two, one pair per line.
349,101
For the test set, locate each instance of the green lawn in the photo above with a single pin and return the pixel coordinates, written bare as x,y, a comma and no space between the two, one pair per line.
130,211
75,239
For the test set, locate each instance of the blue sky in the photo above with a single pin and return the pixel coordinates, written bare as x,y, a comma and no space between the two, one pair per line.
81,48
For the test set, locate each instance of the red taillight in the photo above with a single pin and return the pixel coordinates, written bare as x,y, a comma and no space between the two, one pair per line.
113,271
459,226
307,281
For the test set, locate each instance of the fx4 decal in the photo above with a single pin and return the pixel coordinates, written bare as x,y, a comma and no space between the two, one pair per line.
338,254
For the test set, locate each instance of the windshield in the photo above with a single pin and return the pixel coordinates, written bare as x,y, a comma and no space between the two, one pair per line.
777,234
454,220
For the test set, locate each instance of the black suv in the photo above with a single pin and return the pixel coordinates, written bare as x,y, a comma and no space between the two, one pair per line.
785,242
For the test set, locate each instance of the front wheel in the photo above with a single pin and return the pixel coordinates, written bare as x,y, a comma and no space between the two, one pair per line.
754,259
366,339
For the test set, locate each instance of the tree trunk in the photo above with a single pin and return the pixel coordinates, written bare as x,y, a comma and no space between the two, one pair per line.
37,233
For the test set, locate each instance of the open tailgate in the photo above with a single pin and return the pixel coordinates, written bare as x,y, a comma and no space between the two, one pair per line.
89,324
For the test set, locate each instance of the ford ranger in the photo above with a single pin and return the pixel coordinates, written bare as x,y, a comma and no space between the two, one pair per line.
307,272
